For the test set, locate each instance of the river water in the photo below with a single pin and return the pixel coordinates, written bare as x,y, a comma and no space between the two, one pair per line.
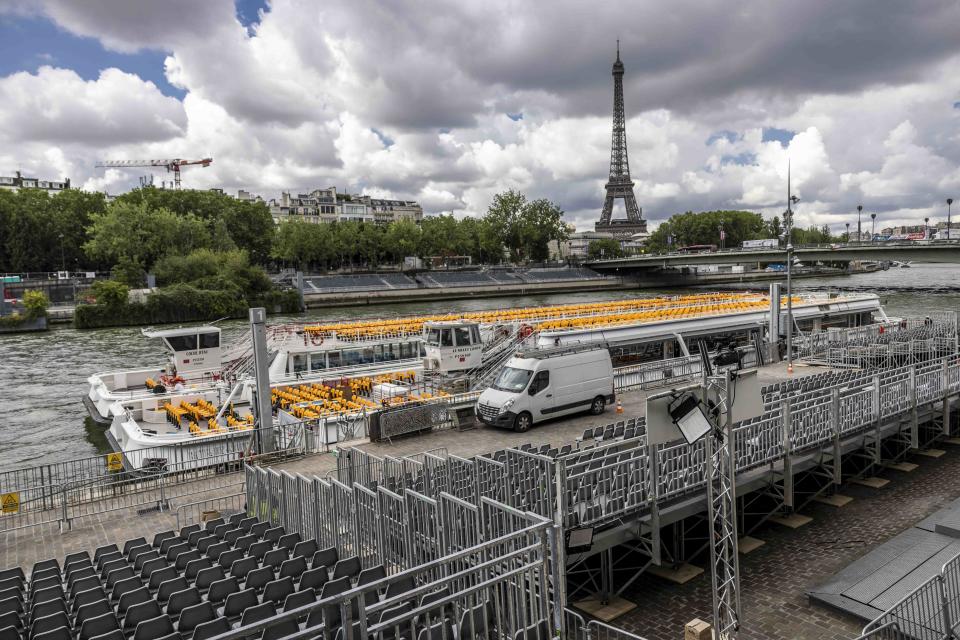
43,375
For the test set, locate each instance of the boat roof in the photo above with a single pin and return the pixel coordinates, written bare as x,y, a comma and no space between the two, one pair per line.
150,332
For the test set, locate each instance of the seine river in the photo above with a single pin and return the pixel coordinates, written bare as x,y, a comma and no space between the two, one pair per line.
43,376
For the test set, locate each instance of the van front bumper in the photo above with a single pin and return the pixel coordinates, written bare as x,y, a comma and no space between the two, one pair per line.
505,419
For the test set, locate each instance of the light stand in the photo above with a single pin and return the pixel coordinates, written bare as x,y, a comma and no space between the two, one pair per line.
722,514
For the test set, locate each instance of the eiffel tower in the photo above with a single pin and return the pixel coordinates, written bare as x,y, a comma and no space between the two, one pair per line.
620,185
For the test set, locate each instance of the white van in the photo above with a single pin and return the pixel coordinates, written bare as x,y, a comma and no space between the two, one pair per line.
537,385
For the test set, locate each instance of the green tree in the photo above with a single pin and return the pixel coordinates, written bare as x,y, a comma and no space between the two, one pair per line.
110,293
504,218
704,228
540,221
248,224
604,248
401,239
141,234
35,304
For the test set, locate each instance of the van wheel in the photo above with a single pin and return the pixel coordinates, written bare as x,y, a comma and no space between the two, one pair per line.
598,405
522,422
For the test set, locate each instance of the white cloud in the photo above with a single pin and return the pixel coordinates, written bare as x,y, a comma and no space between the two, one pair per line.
293,104
58,106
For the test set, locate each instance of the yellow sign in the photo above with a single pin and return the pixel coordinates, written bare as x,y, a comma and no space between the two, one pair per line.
10,502
114,462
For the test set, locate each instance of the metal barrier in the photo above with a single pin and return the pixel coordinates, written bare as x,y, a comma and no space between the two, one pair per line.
485,558
882,344
655,374
929,612
578,629
191,513
102,484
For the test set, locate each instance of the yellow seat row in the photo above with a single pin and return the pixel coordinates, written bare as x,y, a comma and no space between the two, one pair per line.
414,325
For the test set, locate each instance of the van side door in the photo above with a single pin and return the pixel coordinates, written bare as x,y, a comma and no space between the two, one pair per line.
541,394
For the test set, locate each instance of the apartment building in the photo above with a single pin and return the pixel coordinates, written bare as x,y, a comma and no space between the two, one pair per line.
326,205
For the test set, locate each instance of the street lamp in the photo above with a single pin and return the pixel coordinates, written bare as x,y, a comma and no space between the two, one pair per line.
926,228
847,238
949,202
722,237
63,263
859,232
791,200
873,231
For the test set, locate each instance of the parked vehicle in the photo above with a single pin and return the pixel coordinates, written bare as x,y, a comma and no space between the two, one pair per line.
541,384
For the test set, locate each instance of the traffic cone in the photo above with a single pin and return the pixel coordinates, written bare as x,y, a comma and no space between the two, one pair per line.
790,368
619,406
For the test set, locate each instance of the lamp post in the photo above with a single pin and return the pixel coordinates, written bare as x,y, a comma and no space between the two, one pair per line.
63,262
949,202
722,236
873,230
926,228
859,232
847,238
791,200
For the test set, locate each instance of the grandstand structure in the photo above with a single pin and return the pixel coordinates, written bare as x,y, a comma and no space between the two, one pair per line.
448,279
440,546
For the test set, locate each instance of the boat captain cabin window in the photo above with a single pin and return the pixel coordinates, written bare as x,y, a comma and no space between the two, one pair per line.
446,337
464,336
194,341
182,343
210,340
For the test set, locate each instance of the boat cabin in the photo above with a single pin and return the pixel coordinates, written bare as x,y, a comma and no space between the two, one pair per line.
452,346
194,349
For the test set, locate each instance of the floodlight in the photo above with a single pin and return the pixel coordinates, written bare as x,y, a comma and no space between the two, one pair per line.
688,415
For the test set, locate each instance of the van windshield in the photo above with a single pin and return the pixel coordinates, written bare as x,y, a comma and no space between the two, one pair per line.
512,380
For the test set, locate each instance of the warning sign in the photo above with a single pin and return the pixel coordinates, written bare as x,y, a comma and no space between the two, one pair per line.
114,462
10,502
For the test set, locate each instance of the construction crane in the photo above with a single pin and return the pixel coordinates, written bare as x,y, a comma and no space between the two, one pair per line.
172,164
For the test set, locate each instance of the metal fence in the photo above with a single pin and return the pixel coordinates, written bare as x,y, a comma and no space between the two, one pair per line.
67,491
192,512
929,612
882,344
620,475
655,374
483,559
578,629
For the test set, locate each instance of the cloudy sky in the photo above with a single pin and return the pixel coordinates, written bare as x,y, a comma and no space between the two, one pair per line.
449,102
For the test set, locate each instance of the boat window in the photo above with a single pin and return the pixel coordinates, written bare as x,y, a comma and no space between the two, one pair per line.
446,338
183,343
334,359
389,352
299,362
433,337
423,350
318,361
463,336
350,357
368,356
210,340
475,332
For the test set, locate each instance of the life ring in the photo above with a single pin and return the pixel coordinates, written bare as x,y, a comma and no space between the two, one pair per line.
313,339
525,331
